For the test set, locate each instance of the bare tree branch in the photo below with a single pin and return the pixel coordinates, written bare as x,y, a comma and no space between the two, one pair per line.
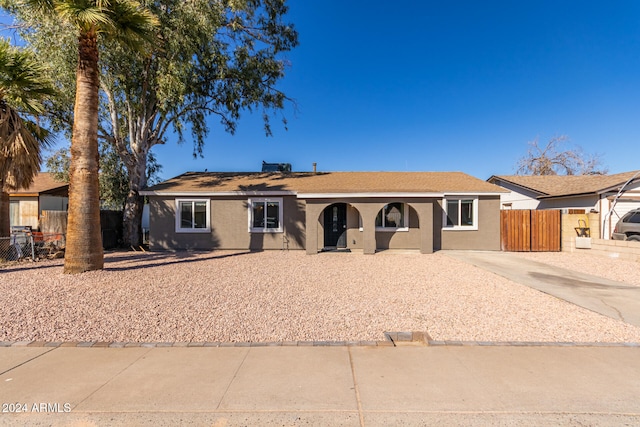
552,160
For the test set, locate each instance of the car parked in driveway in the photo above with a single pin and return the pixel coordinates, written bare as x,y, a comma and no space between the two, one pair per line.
628,228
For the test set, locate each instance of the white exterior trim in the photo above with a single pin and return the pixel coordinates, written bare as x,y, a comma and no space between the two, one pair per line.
475,207
181,230
365,195
187,194
279,229
405,220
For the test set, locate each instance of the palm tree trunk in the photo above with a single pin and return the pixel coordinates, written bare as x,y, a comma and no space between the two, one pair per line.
84,240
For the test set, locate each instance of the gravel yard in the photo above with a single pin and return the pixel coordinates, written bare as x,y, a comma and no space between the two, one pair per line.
289,296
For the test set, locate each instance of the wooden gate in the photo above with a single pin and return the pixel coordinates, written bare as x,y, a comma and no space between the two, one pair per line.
530,230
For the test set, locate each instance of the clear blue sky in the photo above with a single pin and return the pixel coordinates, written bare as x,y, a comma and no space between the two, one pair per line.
444,86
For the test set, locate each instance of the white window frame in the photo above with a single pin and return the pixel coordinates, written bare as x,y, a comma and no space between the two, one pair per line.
180,229
405,219
445,206
266,229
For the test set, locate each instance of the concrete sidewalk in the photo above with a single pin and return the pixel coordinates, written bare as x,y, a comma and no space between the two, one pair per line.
352,386
613,299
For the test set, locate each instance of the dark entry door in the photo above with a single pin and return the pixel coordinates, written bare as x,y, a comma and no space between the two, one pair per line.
335,226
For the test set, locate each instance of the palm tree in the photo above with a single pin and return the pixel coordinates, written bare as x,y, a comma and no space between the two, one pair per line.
125,21
23,87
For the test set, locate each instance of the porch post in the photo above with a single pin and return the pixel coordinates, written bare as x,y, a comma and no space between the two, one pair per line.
369,211
312,213
425,216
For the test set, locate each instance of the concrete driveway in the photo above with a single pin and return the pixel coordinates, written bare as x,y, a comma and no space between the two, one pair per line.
613,299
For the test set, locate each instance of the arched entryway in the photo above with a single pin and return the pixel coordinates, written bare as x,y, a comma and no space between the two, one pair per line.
335,226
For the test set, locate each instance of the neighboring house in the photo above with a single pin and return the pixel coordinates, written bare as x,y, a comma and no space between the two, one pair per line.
26,205
368,211
593,193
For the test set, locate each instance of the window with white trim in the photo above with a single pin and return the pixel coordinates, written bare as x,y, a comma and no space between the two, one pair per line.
193,216
265,215
393,217
461,213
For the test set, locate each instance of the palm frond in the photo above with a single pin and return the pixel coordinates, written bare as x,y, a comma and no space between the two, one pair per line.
85,15
135,25
38,5
20,154
22,80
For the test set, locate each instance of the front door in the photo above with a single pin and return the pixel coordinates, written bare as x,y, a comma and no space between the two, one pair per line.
335,226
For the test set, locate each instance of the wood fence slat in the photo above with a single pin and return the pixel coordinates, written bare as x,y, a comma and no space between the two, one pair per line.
530,230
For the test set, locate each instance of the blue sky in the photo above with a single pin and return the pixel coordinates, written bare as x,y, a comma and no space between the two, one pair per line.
444,86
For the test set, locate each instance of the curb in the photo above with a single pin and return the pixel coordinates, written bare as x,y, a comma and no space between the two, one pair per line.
399,340
103,344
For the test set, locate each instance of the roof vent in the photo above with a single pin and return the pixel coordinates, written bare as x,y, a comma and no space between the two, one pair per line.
276,167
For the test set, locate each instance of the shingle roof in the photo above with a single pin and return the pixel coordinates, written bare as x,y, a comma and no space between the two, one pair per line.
42,183
325,183
566,185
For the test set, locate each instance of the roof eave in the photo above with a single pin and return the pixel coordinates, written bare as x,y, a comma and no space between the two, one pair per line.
562,196
616,187
214,193
330,195
524,187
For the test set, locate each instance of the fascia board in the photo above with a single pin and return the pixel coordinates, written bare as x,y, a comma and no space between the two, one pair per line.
215,194
364,195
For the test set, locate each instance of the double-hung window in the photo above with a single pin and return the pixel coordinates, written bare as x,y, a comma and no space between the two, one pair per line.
265,215
193,216
461,213
393,217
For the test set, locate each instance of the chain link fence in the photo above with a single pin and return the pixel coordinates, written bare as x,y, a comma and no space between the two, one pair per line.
32,246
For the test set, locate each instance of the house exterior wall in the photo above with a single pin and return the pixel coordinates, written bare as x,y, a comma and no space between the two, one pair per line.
363,212
53,203
401,239
577,202
27,212
229,220
486,237
28,209
517,197
304,229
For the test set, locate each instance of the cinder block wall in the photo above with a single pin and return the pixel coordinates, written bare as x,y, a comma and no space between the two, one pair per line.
571,221
611,248
616,249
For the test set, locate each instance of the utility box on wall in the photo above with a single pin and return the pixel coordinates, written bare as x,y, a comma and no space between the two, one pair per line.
583,242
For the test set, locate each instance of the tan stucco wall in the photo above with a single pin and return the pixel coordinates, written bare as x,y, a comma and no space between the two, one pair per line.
229,227
486,237
384,239
303,226
401,239
370,240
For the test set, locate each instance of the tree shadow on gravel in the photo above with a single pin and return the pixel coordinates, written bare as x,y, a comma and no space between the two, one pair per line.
162,259
150,259
30,266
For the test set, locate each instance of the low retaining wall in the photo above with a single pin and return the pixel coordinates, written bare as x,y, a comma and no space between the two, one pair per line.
611,248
